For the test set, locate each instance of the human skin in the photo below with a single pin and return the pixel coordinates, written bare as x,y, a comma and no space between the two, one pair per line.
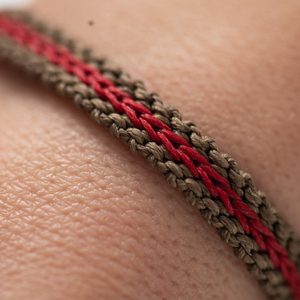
84,218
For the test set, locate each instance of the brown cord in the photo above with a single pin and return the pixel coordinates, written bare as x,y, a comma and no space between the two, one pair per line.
139,142
240,182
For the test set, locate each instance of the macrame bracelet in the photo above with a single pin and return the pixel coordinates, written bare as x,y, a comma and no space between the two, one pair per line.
225,196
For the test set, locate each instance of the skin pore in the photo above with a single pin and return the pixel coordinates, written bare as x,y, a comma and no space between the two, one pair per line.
84,218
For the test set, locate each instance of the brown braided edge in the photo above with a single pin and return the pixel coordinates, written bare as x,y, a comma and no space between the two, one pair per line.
177,175
239,180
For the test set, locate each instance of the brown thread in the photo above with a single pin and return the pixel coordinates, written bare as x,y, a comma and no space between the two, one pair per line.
138,141
241,182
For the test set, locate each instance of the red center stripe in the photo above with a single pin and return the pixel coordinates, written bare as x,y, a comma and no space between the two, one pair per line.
178,148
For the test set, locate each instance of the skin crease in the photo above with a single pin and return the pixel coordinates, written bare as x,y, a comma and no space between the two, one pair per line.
84,218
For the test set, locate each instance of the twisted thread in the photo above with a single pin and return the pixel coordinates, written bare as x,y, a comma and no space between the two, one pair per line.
225,165
178,148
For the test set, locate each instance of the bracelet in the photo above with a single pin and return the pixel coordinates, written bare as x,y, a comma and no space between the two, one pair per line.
225,196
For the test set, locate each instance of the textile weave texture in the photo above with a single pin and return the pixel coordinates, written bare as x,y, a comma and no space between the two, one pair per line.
225,196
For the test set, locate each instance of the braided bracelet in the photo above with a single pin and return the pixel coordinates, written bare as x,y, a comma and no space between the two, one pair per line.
225,196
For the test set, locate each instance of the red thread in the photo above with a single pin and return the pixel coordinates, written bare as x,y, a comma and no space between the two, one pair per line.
174,138
211,172
189,163
188,150
224,197
154,136
134,105
243,221
262,229
154,121
178,148
244,209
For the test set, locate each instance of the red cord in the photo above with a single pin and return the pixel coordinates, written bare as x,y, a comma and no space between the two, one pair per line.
179,149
